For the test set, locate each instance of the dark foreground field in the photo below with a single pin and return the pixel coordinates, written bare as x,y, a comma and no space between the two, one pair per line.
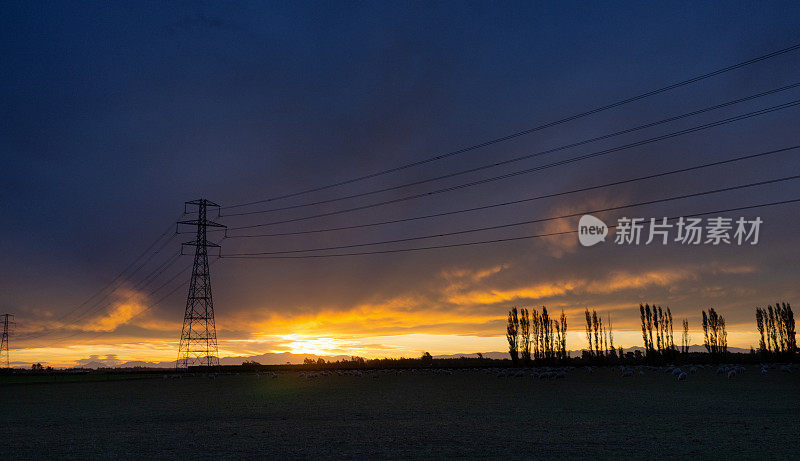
466,414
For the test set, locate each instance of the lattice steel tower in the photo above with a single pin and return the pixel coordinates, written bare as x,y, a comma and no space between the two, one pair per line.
4,357
198,346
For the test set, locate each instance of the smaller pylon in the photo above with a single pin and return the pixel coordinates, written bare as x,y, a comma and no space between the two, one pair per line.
8,321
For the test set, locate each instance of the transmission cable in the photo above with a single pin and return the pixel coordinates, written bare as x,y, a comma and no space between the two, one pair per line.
149,278
171,279
519,158
119,276
528,131
532,221
500,240
528,199
108,294
155,303
529,170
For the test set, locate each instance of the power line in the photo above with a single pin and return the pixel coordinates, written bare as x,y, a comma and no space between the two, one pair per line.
119,276
149,278
150,305
530,170
531,130
170,280
532,221
500,240
528,199
157,271
523,157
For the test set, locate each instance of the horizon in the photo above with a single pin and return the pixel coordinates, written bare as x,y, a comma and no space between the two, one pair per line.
279,358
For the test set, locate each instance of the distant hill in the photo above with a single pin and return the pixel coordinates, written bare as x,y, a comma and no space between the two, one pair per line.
269,358
272,358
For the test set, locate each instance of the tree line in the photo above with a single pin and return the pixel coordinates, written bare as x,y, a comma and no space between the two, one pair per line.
776,330
599,338
536,336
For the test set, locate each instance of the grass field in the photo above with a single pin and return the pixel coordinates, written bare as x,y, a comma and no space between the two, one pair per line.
422,415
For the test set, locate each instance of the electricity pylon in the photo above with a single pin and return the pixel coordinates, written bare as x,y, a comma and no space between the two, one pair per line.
8,319
198,346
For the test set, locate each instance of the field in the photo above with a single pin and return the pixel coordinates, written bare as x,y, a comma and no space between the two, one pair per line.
469,413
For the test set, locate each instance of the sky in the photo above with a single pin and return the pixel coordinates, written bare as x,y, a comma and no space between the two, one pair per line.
115,113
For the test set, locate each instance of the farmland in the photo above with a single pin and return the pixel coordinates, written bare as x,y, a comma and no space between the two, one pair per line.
432,413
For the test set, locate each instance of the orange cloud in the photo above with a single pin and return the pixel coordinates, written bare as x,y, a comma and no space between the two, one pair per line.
120,314
615,282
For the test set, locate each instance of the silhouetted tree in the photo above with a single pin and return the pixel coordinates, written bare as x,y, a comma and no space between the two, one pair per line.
427,358
773,334
589,331
525,331
603,337
791,334
670,331
563,335
657,326
611,334
547,325
762,345
685,337
776,328
536,334
596,328
512,335
644,328
714,332
649,324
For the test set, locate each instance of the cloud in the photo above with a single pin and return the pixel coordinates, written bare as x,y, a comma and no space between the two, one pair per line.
131,304
95,361
615,282
560,245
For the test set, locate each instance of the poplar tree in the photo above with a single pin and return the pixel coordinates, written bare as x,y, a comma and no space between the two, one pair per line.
525,332
512,335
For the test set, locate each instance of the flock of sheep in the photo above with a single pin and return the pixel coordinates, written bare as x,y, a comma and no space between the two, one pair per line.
552,373
545,373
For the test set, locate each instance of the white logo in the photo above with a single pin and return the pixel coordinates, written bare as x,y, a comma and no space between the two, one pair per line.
591,230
